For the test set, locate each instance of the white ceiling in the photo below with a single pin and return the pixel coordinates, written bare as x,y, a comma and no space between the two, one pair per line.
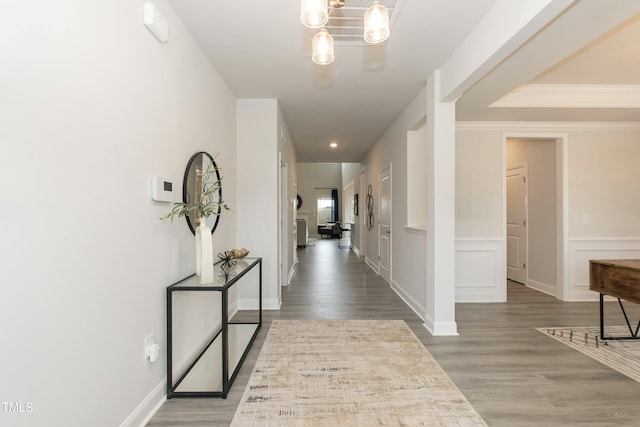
262,51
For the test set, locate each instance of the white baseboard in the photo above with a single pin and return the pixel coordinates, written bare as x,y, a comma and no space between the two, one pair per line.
542,287
408,299
253,304
371,264
356,250
148,407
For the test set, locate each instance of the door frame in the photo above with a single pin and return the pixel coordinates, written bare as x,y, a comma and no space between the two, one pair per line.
362,226
390,222
283,214
562,203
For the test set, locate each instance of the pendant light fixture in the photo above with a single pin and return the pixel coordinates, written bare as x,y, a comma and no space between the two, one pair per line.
322,48
314,13
376,23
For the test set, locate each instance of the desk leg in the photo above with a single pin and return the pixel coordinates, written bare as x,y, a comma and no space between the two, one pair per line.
633,334
601,316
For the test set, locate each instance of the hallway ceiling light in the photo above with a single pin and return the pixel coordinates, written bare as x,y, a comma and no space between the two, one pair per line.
376,23
322,48
316,14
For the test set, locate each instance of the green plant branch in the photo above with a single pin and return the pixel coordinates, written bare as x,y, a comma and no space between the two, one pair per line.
208,205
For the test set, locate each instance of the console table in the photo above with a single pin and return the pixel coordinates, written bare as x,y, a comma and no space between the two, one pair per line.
209,371
619,278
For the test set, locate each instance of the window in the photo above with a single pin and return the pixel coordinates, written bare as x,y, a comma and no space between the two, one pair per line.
325,209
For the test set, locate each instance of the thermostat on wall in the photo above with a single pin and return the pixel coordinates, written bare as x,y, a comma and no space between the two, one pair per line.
161,189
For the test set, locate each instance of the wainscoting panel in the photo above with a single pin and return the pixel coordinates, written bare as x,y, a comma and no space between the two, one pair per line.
582,250
480,270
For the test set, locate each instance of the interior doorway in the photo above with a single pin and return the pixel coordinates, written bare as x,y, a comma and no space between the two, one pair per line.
535,206
362,225
283,247
384,224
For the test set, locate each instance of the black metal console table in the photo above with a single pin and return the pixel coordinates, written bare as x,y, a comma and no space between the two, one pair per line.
211,370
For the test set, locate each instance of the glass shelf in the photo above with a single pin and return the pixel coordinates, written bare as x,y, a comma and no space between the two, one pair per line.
210,369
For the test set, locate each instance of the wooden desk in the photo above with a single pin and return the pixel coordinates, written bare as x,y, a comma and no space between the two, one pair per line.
619,278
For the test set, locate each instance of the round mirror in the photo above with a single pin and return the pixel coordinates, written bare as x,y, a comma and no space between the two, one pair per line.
192,187
299,202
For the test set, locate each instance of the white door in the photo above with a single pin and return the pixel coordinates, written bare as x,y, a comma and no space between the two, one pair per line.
517,224
362,224
284,227
384,224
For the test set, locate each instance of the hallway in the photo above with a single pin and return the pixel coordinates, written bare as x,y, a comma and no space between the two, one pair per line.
512,374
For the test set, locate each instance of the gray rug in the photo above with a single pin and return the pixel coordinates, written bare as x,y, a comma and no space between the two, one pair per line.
349,373
621,355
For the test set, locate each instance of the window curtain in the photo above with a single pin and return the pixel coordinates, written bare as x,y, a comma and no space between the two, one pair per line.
335,211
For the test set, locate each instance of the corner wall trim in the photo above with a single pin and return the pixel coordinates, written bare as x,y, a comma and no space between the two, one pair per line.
440,328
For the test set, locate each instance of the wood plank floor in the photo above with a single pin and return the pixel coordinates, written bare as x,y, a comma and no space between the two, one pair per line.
512,374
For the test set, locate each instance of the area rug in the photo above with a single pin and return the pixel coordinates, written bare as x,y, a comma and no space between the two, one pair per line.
349,373
621,355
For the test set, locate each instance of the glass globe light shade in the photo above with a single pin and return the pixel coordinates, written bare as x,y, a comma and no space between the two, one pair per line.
322,48
376,23
314,13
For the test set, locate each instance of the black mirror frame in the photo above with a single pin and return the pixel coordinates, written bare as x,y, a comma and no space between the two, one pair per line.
184,188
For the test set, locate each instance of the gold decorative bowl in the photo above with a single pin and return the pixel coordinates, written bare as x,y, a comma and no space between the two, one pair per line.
239,253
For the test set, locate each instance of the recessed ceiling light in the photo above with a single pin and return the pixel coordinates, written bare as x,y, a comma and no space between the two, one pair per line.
333,145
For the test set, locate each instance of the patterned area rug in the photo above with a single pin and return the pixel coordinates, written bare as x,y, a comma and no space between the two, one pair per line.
621,355
349,373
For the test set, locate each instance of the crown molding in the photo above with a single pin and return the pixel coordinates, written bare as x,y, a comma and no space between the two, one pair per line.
548,126
571,96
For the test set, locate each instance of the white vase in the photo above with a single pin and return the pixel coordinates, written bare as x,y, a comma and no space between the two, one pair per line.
204,252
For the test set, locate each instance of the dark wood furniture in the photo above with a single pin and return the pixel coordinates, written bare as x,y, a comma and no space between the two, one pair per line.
330,229
619,278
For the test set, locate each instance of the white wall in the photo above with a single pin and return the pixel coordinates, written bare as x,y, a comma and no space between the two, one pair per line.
603,182
288,155
540,157
479,217
258,171
408,277
92,107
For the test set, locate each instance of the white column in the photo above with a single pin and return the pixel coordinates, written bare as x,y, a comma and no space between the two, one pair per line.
441,125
